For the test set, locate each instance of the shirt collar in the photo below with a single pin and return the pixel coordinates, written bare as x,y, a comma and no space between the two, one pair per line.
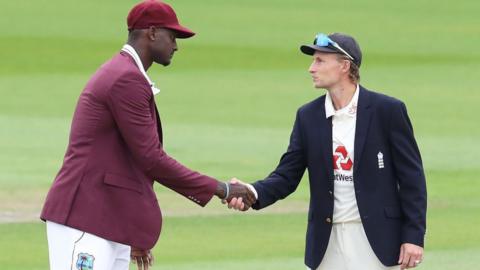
349,110
131,51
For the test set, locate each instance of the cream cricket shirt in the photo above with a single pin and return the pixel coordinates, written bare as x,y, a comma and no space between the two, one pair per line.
343,137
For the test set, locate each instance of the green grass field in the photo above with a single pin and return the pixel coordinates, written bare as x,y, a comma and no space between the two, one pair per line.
227,105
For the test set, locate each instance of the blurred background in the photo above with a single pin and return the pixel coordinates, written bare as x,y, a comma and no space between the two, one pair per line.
227,105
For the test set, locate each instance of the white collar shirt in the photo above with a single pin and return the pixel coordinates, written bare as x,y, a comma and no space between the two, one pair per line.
343,139
131,51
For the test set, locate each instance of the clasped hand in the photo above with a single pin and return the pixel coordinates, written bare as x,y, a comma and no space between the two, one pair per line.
241,196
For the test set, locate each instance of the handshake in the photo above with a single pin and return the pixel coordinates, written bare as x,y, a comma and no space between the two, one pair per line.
239,195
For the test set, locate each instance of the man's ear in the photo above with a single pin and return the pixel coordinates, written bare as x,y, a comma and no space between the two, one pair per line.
346,65
151,33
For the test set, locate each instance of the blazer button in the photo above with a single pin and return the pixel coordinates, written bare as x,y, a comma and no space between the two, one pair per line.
328,220
330,192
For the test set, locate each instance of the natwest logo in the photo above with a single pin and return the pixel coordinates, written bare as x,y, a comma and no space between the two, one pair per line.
341,159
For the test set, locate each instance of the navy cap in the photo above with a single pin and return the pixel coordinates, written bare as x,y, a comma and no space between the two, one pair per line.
346,42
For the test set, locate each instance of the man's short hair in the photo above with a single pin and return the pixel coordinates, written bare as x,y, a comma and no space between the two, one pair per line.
354,72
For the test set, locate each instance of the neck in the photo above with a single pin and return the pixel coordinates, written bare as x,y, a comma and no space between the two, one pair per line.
342,94
143,53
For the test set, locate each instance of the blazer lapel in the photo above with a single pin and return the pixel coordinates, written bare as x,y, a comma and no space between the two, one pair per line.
158,122
323,131
364,114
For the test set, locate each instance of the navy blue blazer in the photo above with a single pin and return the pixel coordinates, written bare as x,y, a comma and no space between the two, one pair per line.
392,200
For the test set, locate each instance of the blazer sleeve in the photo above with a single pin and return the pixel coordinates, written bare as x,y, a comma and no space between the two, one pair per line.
129,101
410,175
285,178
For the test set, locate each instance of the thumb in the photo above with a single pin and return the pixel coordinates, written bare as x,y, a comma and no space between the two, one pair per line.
235,180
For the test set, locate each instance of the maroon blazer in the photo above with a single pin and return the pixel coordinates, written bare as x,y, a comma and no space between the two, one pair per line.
105,186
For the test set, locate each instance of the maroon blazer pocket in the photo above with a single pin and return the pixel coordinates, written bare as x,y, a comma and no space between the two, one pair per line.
122,182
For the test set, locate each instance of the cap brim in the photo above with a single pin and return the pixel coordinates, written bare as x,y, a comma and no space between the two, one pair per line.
180,31
311,49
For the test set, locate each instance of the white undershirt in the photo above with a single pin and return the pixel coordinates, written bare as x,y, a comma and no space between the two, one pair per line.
345,207
131,51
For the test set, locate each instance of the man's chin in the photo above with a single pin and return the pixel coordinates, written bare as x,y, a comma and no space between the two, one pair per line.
164,62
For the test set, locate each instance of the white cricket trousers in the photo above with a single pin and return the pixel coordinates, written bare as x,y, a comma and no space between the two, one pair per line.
71,249
349,249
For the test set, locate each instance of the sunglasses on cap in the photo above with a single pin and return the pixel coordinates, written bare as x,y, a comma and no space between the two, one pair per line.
322,40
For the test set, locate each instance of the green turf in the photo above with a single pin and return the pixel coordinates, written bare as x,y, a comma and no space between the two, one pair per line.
257,242
227,105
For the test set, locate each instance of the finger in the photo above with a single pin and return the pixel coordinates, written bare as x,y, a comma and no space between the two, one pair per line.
146,262
247,198
238,181
139,263
232,203
411,262
416,259
251,196
406,259
247,204
250,199
401,255
239,203
234,181
224,201
151,259
420,255
242,207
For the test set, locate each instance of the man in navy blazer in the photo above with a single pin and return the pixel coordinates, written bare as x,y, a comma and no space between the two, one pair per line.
368,210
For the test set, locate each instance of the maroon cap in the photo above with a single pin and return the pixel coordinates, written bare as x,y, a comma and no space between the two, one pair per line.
155,13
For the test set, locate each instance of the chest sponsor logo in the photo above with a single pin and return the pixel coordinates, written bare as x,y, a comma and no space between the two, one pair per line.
341,159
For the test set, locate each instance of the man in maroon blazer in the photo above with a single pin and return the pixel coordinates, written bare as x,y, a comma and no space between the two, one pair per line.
102,202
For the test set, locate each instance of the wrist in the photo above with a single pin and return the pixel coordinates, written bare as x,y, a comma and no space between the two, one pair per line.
222,191
253,190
